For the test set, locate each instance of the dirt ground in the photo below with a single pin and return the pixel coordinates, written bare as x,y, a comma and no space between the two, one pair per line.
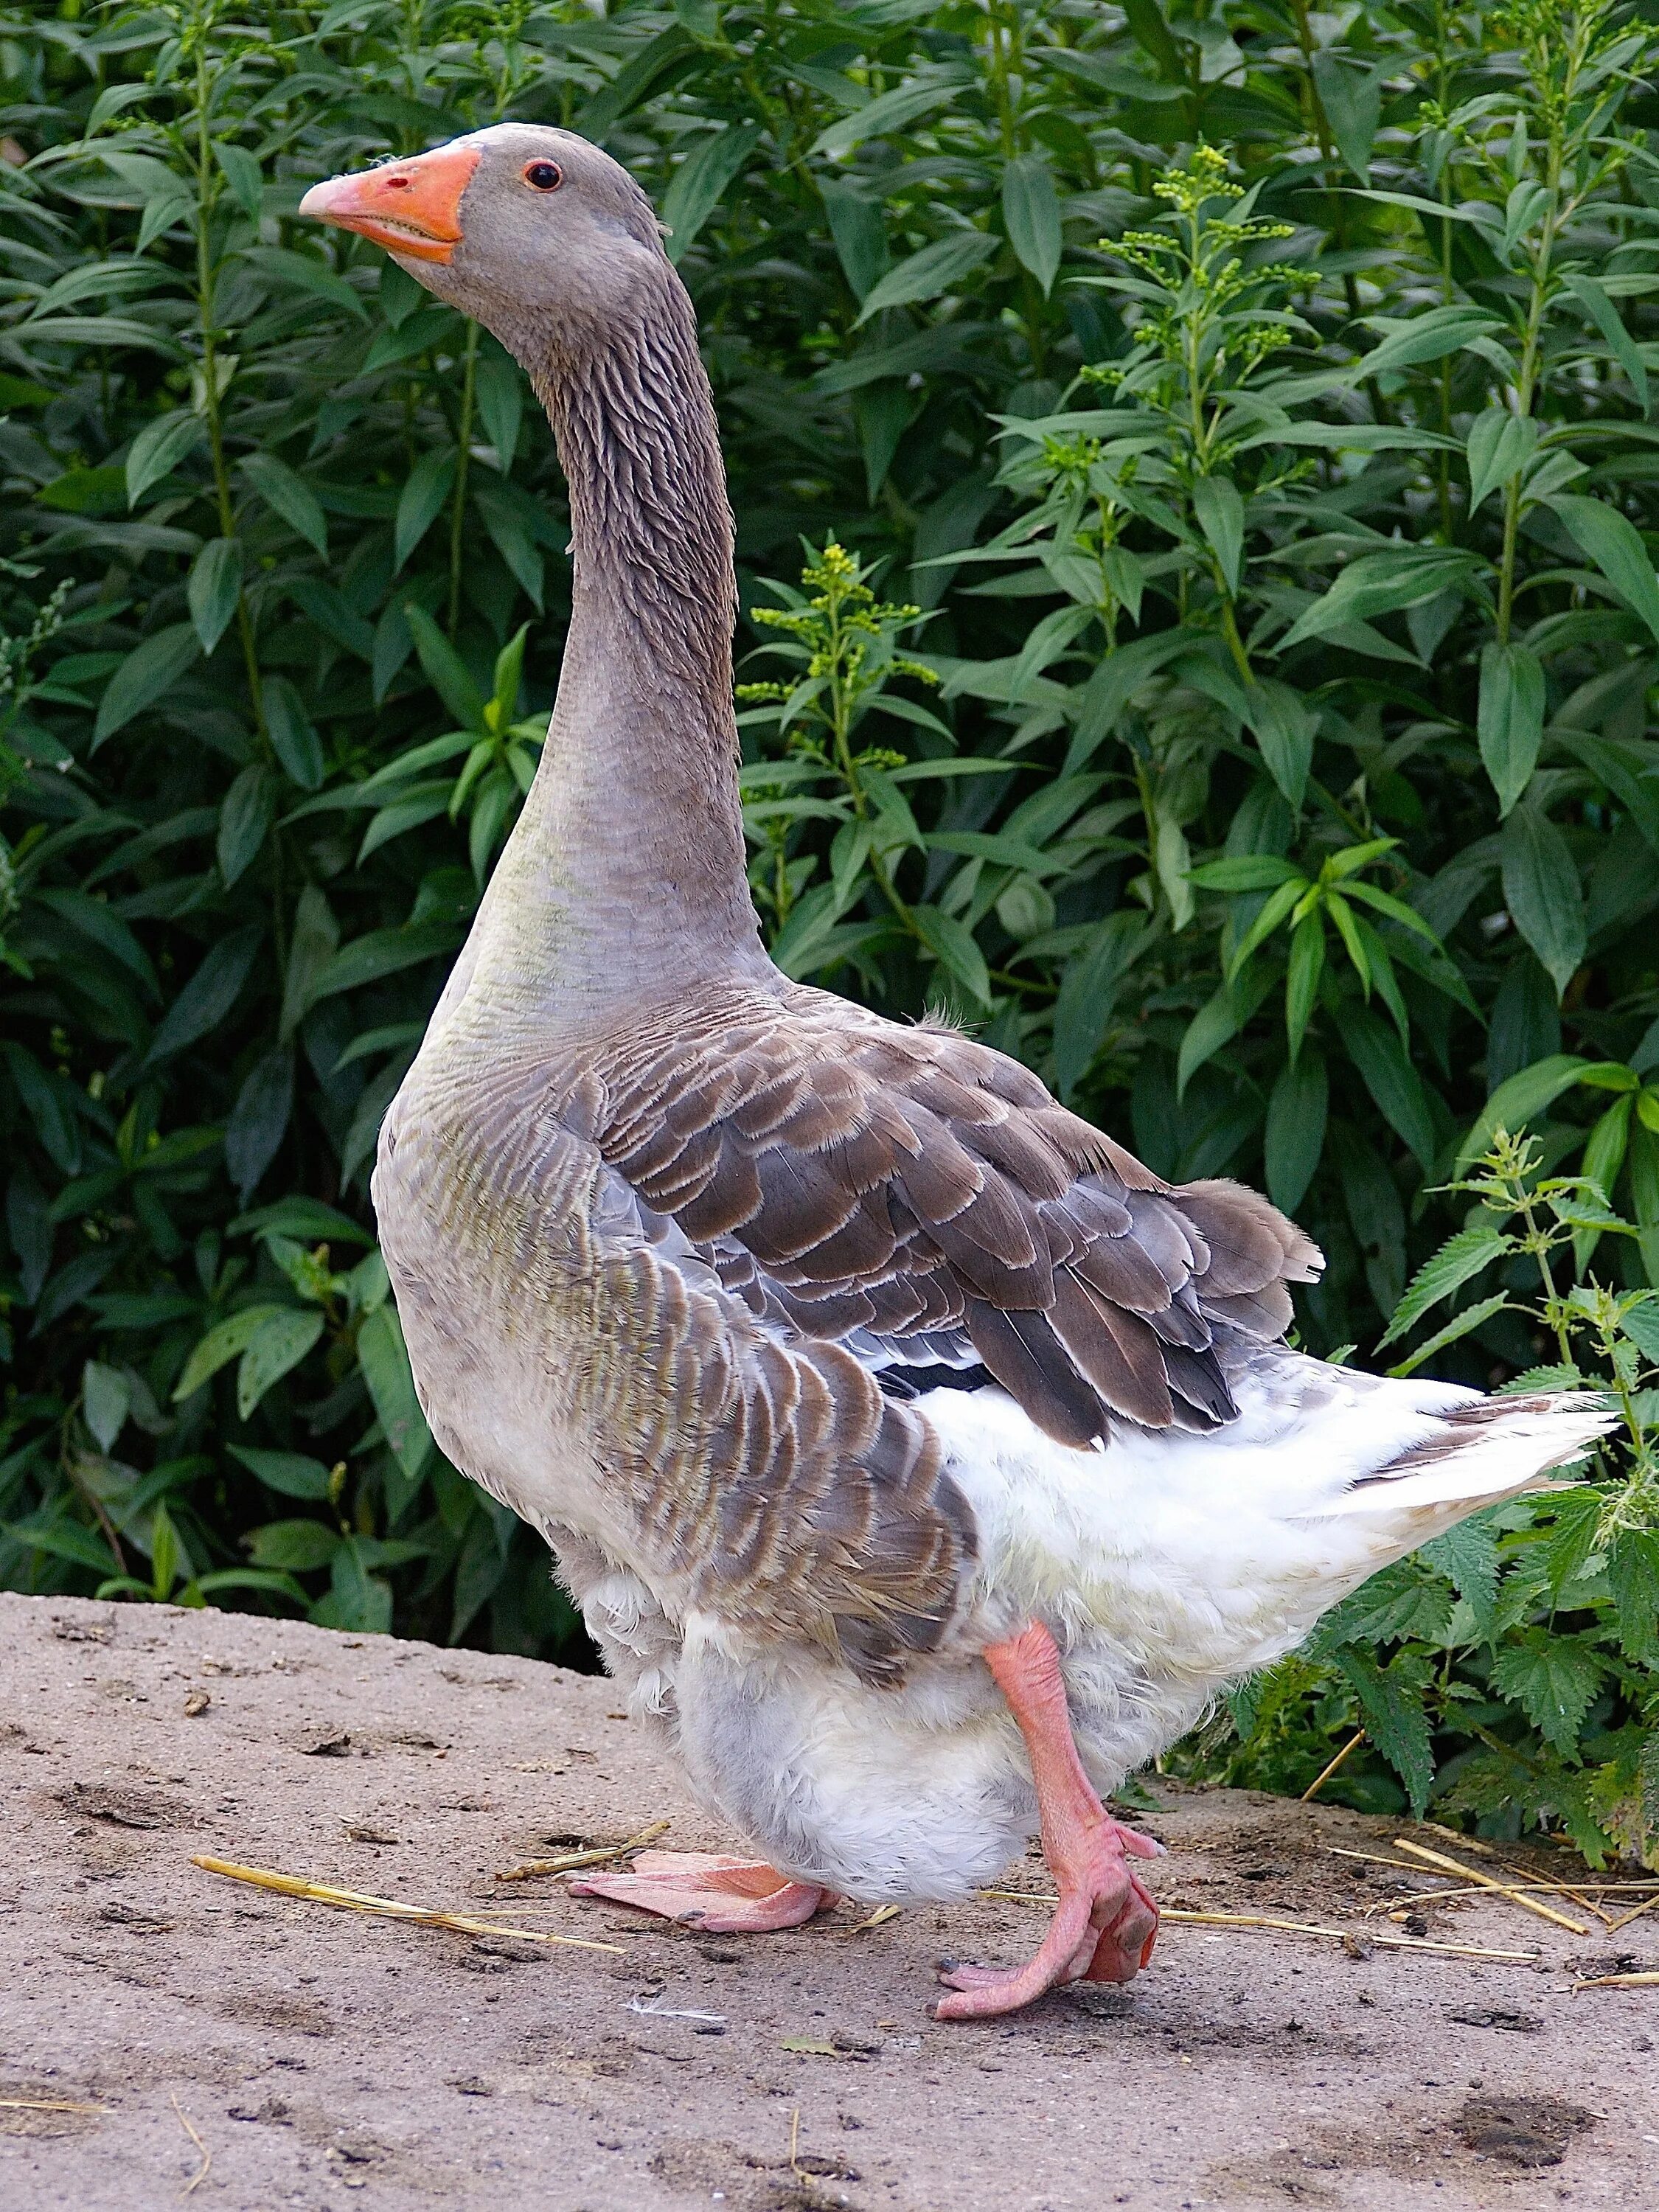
165,2034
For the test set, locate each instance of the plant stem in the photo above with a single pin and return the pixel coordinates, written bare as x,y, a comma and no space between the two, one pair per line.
463,454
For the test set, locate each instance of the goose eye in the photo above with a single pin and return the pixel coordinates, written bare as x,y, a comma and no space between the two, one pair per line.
544,176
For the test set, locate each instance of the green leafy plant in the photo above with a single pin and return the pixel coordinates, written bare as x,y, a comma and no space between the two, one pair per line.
1255,409
1521,1680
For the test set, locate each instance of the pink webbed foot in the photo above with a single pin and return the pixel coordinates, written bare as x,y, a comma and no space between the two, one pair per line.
1106,1923
725,1895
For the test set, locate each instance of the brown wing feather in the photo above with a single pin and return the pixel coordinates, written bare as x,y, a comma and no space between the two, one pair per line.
912,1192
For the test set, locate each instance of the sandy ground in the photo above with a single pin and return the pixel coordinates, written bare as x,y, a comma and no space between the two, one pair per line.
166,2035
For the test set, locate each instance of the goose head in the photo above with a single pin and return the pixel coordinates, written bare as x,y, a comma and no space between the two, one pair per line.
533,231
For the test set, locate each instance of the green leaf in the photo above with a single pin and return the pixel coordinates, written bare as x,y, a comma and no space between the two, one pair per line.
1459,1259
226,1340
1394,1083
936,268
105,1401
1429,337
1615,545
294,738
1461,1325
1088,993
1307,965
288,497
209,996
859,232
381,953
280,1343
1391,1701
445,671
216,584
1284,726
700,182
1149,30
498,390
1379,584
243,819
1469,1556
1031,213
258,1121
1511,718
1220,512
1295,1134
1246,871
292,1473
1500,444
386,1367
242,173
1521,1100
1352,97
1599,307
1540,889
420,503
927,89
148,671
158,449
1554,1680
953,945
298,1547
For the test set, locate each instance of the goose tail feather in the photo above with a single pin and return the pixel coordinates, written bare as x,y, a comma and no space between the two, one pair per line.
1479,1452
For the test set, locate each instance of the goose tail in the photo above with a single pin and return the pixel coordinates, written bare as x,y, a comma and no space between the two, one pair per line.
1477,1453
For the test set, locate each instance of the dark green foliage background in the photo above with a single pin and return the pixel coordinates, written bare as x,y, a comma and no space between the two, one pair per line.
1307,606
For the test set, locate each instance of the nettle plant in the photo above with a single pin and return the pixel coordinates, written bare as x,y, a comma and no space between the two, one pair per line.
1532,1631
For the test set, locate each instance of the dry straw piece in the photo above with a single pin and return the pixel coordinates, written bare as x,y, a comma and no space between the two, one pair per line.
1617,1982
1447,1864
353,1901
567,1861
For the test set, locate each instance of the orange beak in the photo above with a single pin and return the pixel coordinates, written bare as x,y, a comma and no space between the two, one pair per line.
411,208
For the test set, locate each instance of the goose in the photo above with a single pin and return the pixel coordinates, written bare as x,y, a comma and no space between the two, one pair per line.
918,1458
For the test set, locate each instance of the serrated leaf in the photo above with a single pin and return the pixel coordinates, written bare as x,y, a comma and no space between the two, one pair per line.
1469,1556
1391,1702
1459,1259
1554,1681
1461,1325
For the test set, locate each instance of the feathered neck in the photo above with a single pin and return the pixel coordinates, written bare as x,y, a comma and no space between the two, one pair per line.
625,879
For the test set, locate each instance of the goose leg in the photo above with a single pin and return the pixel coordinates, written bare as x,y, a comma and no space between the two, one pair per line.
725,1896
1106,1923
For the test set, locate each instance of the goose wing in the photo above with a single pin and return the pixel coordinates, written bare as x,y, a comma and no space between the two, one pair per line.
923,1203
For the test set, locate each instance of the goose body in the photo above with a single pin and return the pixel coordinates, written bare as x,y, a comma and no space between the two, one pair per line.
919,1457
